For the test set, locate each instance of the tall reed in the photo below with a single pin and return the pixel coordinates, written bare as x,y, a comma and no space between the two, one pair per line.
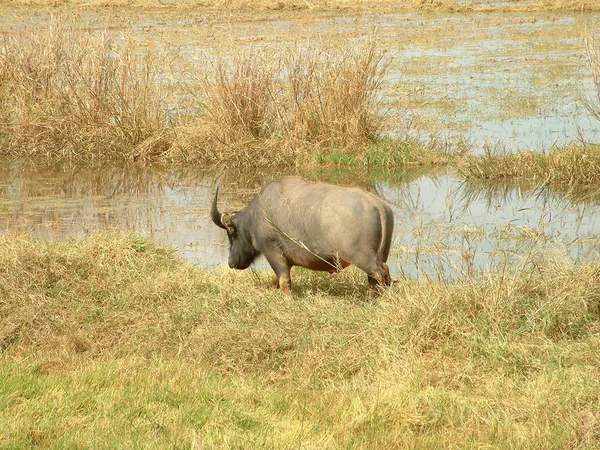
593,102
66,94
274,105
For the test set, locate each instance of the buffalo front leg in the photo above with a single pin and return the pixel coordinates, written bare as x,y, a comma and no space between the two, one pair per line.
375,287
281,278
275,282
285,283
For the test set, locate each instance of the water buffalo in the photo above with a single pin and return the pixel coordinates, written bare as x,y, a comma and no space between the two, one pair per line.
294,222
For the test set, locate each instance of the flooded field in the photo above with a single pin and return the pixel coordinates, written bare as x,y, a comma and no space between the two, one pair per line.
515,80
444,227
509,80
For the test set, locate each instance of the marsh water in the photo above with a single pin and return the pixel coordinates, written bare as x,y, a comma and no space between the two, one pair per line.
444,227
513,80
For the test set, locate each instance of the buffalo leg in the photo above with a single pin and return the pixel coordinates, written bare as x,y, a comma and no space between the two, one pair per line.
379,280
375,286
281,278
285,283
378,272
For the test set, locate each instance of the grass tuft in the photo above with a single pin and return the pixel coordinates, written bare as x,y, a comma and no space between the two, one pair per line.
265,105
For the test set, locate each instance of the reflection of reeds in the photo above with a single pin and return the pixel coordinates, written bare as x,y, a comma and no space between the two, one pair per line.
64,95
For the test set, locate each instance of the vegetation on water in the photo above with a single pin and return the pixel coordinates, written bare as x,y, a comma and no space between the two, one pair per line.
91,98
68,95
593,102
574,165
112,341
294,5
279,107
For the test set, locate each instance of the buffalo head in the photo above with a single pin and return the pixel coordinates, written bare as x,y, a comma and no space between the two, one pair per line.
241,251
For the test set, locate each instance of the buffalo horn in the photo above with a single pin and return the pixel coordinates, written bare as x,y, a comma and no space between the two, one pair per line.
215,215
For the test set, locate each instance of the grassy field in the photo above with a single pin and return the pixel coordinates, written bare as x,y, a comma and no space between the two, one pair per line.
111,341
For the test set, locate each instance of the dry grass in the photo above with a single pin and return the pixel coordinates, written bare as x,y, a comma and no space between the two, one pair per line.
278,106
111,341
593,102
65,95
71,96
569,167
566,5
328,5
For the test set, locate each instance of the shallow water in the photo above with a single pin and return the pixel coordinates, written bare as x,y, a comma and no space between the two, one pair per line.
444,227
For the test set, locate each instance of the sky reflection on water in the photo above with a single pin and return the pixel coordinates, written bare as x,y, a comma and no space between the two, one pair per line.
444,226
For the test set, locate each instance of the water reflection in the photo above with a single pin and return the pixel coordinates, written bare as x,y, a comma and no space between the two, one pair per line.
453,227
444,226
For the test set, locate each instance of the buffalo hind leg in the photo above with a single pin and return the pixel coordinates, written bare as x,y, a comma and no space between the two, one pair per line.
379,280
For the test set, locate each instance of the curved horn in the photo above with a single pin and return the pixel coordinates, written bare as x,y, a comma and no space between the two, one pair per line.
215,215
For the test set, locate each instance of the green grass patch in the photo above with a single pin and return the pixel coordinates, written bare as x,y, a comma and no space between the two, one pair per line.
112,341
382,153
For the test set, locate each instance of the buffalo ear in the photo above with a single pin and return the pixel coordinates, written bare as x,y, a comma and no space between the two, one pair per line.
227,222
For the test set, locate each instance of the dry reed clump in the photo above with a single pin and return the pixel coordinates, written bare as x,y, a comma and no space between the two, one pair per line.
68,95
572,166
98,333
593,103
271,108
